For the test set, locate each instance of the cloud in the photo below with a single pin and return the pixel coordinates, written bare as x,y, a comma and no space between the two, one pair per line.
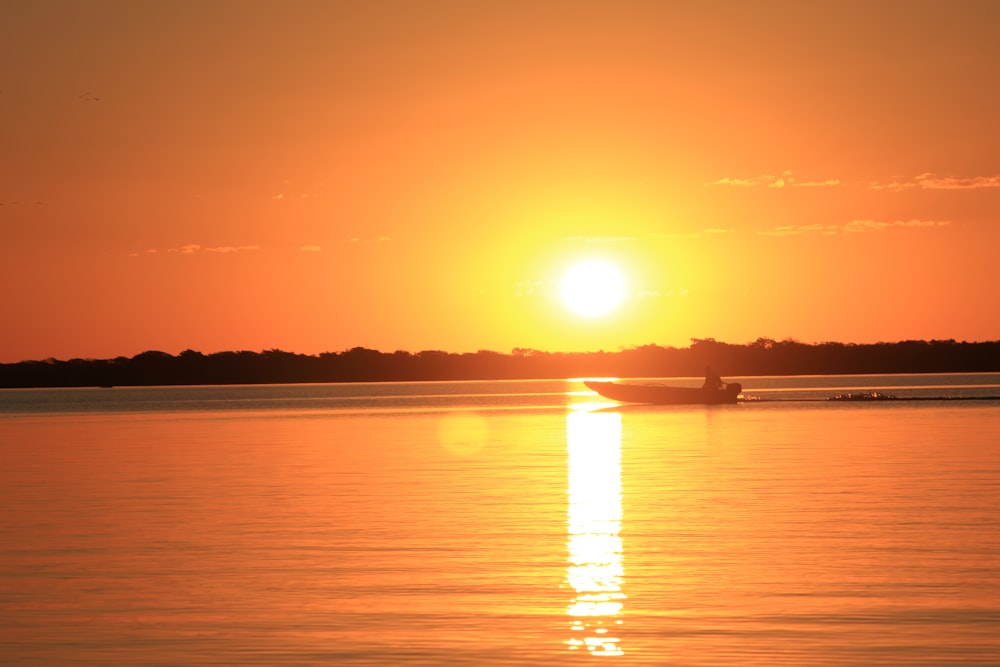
922,223
194,248
818,184
291,191
881,226
784,179
372,239
866,226
309,248
233,248
304,195
931,181
792,230
745,182
852,227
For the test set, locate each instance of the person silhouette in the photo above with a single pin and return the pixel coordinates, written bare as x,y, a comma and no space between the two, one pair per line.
712,380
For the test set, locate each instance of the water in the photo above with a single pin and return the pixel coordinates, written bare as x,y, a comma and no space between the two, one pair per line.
501,523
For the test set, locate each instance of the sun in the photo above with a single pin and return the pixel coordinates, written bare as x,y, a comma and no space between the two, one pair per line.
592,288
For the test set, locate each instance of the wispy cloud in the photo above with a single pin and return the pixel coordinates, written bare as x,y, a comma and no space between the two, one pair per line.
233,248
881,226
289,190
931,181
852,227
303,195
194,248
371,239
925,181
753,181
309,248
817,184
784,179
792,230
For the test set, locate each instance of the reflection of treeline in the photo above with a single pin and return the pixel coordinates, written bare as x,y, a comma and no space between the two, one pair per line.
762,357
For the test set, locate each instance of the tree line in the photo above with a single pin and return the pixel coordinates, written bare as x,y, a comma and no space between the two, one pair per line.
762,357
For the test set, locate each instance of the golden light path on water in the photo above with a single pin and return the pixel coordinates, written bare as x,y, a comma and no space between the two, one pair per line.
595,565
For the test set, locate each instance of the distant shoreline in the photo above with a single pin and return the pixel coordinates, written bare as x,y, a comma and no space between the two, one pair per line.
762,357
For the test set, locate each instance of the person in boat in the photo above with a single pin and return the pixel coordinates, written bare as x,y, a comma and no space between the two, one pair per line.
712,380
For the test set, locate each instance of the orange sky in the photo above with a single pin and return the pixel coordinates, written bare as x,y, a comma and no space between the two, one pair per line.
315,176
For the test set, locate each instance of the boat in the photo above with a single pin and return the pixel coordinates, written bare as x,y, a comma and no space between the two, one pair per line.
660,394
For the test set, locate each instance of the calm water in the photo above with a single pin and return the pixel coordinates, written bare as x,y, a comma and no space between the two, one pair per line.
502,523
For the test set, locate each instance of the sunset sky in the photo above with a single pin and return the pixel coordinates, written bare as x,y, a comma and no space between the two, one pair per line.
315,176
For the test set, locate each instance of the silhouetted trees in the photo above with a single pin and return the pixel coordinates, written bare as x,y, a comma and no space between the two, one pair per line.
762,357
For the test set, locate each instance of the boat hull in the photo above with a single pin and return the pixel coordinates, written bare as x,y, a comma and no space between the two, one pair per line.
659,394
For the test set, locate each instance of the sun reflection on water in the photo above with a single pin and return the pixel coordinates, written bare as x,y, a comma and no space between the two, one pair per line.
595,565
